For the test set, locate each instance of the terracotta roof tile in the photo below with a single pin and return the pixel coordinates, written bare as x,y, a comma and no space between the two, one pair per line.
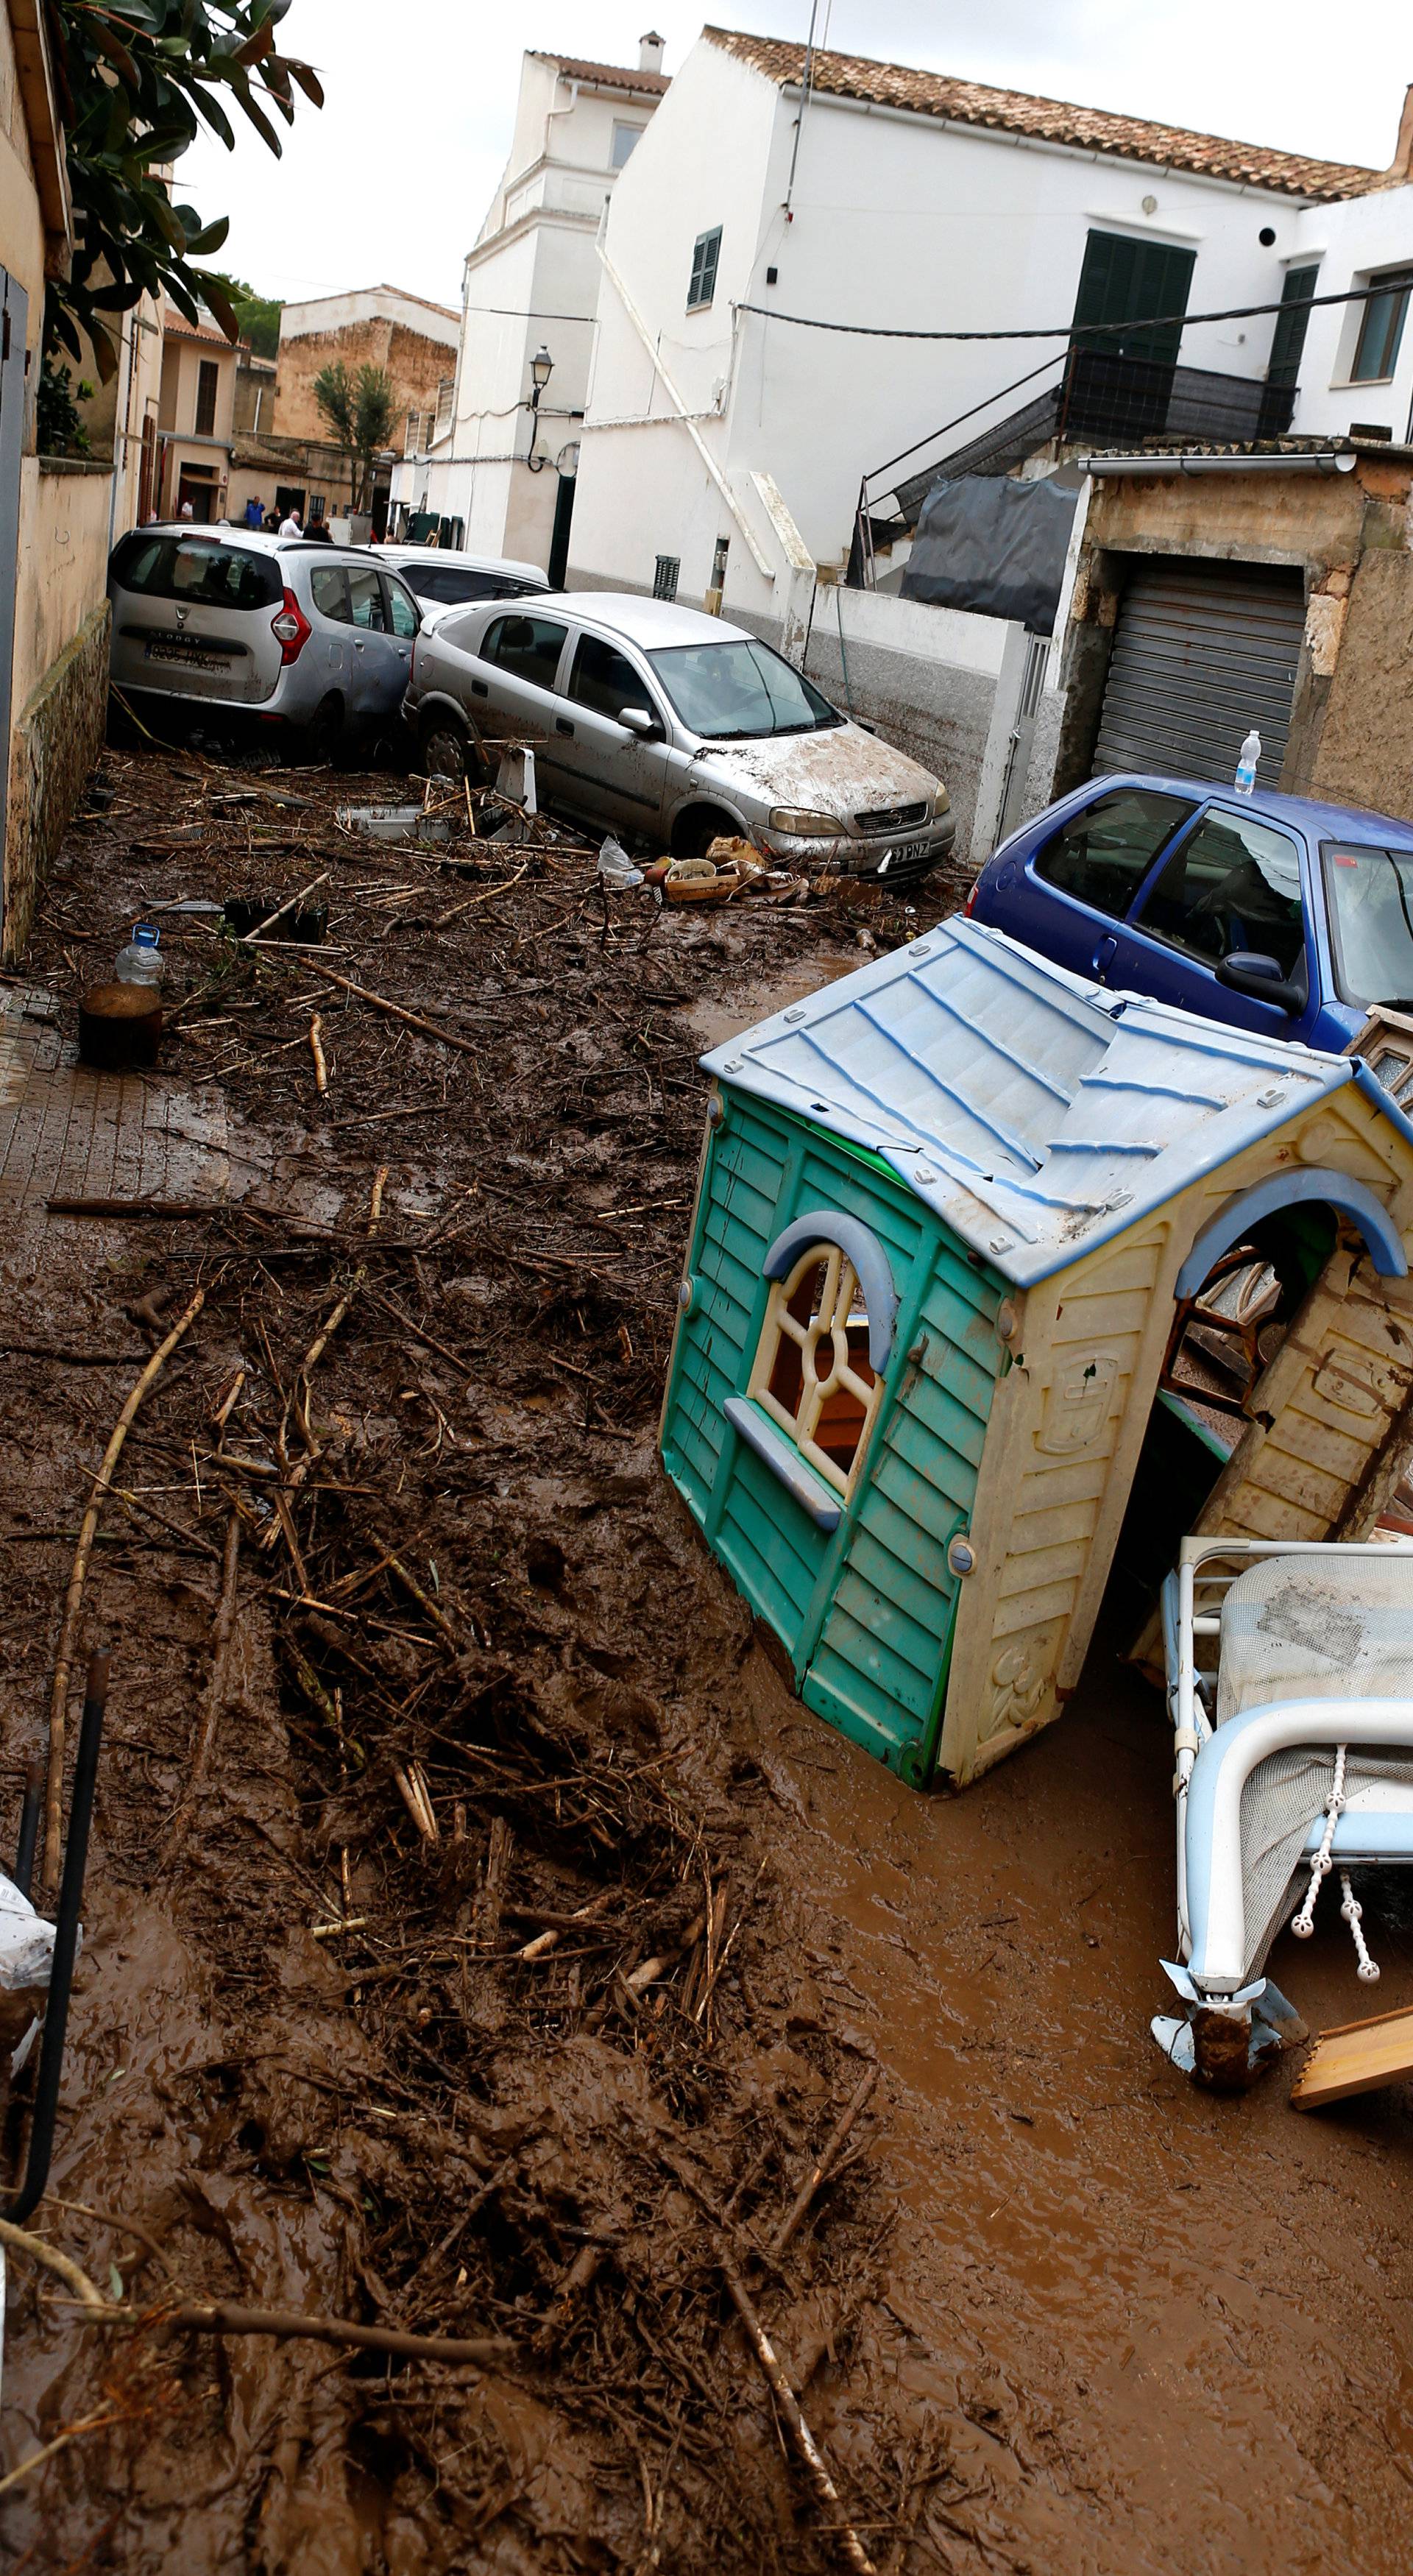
613,75
1052,120
175,326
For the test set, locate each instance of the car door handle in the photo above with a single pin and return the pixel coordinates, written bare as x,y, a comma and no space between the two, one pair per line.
358,644
479,689
563,725
1103,958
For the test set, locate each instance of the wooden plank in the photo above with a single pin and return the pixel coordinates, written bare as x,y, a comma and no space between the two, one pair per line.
1356,2057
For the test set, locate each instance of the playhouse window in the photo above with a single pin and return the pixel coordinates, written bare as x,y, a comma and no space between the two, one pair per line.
812,1373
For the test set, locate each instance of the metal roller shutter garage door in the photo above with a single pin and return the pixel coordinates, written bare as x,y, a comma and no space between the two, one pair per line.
1201,653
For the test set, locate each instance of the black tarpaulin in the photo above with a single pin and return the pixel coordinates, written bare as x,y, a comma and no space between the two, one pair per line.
994,546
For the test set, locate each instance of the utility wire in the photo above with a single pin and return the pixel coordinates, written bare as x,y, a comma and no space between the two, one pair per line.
1078,332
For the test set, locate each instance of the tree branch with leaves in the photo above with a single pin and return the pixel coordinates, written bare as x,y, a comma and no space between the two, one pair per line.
359,409
137,81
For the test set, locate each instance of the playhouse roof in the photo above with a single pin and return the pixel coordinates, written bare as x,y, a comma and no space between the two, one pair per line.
1037,1113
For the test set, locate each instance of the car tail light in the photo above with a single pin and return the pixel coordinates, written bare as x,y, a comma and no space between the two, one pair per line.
291,629
969,906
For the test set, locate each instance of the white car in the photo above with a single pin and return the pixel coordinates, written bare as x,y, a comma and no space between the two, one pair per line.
671,727
443,577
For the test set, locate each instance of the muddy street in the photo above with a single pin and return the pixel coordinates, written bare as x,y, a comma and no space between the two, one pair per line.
481,1942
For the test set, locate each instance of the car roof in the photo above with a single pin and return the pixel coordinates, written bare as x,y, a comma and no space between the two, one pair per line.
256,541
1306,813
652,623
398,555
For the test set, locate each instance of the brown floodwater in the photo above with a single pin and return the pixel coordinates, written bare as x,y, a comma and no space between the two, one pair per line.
1173,2328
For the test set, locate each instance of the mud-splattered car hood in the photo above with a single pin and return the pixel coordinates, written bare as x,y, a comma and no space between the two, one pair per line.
842,771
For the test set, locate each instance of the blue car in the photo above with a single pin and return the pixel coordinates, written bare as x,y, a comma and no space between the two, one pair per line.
1268,912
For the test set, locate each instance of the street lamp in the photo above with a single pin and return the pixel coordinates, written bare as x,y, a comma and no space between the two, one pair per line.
541,370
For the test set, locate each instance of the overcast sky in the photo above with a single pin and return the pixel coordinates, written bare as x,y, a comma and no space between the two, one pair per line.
390,181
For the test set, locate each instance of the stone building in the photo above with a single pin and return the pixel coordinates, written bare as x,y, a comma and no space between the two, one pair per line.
377,326
1213,589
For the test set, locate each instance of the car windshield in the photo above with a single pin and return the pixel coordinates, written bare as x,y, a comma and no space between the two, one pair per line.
199,570
737,692
1370,897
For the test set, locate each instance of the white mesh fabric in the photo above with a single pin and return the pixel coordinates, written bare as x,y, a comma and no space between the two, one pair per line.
1317,1627
1309,1627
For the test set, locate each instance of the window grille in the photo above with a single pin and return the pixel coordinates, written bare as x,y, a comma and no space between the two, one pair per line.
665,577
813,1374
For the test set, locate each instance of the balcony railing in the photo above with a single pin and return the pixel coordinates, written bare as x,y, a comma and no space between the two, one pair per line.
1095,398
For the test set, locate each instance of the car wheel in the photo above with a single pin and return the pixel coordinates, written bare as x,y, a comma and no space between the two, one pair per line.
446,748
694,831
325,735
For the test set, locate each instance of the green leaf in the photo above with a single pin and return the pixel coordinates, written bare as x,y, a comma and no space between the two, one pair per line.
199,245
219,303
111,45
261,123
215,116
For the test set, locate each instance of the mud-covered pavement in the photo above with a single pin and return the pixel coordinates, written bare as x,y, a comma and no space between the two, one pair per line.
1056,2311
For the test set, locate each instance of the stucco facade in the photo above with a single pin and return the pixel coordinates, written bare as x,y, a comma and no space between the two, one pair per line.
485,459
196,419
54,515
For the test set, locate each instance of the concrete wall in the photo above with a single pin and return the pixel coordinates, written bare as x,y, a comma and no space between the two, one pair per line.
928,678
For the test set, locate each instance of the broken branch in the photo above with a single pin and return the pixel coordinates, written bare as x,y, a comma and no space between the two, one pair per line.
215,1698
819,2172
789,2406
73,1602
394,1010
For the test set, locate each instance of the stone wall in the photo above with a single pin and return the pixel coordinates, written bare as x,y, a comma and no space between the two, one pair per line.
54,744
416,365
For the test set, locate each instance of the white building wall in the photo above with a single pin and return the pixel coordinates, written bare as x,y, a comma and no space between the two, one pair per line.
1354,243
535,258
895,220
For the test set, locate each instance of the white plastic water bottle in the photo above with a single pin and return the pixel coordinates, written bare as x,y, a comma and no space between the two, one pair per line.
139,962
1246,763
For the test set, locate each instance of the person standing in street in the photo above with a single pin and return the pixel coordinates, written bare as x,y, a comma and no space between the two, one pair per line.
289,526
255,511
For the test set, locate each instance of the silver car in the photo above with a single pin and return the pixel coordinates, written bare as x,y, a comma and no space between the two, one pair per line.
287,630
447,577
671,727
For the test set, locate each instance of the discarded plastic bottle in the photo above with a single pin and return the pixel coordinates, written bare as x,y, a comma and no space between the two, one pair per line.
616,870
139,962
1249,754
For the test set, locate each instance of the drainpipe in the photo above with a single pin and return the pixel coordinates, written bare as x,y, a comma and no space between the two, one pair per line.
765,569
804,104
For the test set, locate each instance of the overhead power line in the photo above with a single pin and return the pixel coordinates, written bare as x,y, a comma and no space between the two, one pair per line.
1072,330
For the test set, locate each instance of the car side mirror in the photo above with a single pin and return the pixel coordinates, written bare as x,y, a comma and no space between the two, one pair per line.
1250,971
638,720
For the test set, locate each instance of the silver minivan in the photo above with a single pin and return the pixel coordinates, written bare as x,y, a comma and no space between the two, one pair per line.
670,727
284,629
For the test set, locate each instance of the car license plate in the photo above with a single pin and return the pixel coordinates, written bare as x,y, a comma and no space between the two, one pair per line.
175,648
900,854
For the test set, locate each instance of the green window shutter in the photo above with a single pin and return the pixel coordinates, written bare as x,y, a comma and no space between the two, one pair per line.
1134,282
1288,338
